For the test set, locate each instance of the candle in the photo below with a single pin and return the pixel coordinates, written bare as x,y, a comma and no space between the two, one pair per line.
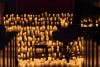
52,23
82,38
28,65
51,27
43,28
72,15
7,16
90,25
51,64
54,28
54,44
66,24
29,50
27,54
18,45
82,49
43,22
97,25
62,64
52,48
25,48
42,38
29,39
49,50
55,19
37,50
24,56
33,64
30,19
75,43
73,49
21,55
58,23
29,44
42,64
48,22
51,33
57,49
50,58
71,43
62,22
47,27
33,42
85,25
24,15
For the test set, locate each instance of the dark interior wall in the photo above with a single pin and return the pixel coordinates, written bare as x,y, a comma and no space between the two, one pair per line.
9,6
38,6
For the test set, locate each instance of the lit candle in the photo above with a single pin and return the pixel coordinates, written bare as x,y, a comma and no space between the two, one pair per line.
30,19
54,28
49,50
52,23
57,49
82,49
27,54
51,64
85,25
90,25
82,25
66,24
24,15
62,22
24,56
42,64
51,33
29,44
21,55
28,65
62,64
48,22
53,15
52,48
58,23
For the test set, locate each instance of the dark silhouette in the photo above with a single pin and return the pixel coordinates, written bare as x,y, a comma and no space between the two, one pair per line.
66,35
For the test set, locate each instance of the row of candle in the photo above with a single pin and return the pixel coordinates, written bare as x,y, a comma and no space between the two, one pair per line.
37,21
41,54
31,44
39,28
26,48
45,14
63,22
51,62
51,44
88,22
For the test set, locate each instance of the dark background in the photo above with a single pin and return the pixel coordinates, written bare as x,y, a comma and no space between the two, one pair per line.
37,6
